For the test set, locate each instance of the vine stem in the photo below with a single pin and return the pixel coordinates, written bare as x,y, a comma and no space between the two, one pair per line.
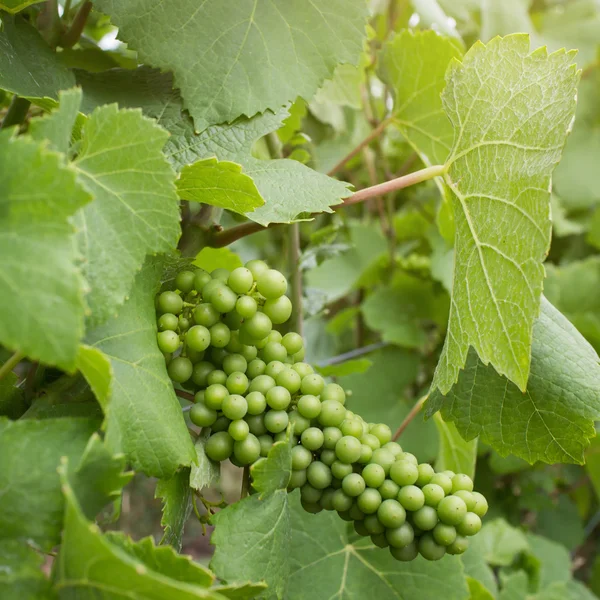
17,111
72,35
415,410
186,395
228,236
245,483
340,358
10,364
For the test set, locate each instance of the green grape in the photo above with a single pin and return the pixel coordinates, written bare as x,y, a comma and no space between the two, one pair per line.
374,475
299,423
328,457
433,494
468,498
221,424
257,403
331,436
257,326
292,342
168,341
246,307
452,510
333,391
308,493
256,423
332,413
312,384
404,472
351,427
247,451
206,315
233,363
326,500
194,355
443,481
219,446
340,469
234,322
237,383
399,537
384,458
373,525
202,416
426,472
255,368
459,545
470,525
262,384
170,302
319,475
391,513
289,379
309,406
312,438
406,554
210,288
273,368
348,448
235,407
355,513
183,322
276,420
185,281
449,473
266,443
353,484
301,457
199,396
238,430
215,395
180,369
360,528
278,310
443,534
201,278
336,484
411,497
216,376
371,441
369,501
382,432
299,357
219,335
380,540
198,338
341,502
297,479
462,482
428,549
389,489
256,267
271,284
408,457
425,518
311,508
249,352
217,356
394,447
220,275
274,336
240,280
366,454
273,351
168,321
278,398
303,369
481,505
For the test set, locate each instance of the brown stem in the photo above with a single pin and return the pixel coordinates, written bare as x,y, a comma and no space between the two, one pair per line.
245,483
10,364
414,411
185,395
72,35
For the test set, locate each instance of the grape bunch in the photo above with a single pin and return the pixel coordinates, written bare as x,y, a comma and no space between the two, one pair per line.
250,384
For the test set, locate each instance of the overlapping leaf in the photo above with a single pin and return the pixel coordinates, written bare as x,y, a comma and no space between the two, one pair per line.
21,576
553,420
229,63
454,454
176,496
143,417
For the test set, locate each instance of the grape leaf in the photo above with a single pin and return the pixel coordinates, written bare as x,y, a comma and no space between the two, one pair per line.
476,568
44,321
89,561
30,452
143,417
500,543
219,184
413,64
454,454
330,561
516,586
21,576
210,259
348,367
273,472
135,211
28,67
554,420
562,224
176,498
265,55
512,108
12,399
553,561
572,288
288,187
97,369
204,472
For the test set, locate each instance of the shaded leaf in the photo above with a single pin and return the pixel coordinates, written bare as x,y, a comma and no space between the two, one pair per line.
204,472
176,497
21,576
454,454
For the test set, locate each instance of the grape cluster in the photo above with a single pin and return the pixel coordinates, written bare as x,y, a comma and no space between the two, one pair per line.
250,383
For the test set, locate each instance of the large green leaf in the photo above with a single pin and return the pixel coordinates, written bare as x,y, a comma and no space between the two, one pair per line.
228,62
288,187
500,543
511,111
414,64
143,417
30,452
27,65
41,289
476,566
330,561
135,211
205,472
176,496
21,576
553,420
455,453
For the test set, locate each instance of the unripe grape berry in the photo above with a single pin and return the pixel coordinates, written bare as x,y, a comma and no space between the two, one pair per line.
369,501
168,321
373,525
425,518
380,540
462,482
389,489
279,310
400,537
328,457
235,407
278,398
374,475
468,498
312,438
470,525
249,353
312,384
333,391
331,435
394,447
299,423
443,481
206,315
348,449
406,554
411,497
292,342
353,484
309,406
340,501
262,384
318,475
297,478
311,508
384,458
198,338
391,513
180,368
170,302
220,335
289,379
355,513
266,443
215,395
426,472
233,363
256,267
404,472
256,423
273,351
408,457
219,446
276,420
308,493
481,505
366,453
210,288
452,510
303,369
201,278
202,416
271,284
428,548
194,355
255,368
340,469
433,494
246,307
237,383
257,326
443,534
240,280
351,427
371,441
238,430
274,367
216,376
301,457
459,546
332,413
184,281
220,274
247,451
382,432
168,341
